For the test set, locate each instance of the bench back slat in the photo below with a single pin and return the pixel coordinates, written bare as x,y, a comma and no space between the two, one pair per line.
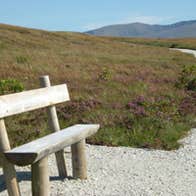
33,99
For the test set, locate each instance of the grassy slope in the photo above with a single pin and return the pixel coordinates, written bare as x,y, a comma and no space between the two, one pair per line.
188,43
103,76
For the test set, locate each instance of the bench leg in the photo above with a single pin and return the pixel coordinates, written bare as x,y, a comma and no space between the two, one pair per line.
8,168
10,178
79,160
40,178
60,160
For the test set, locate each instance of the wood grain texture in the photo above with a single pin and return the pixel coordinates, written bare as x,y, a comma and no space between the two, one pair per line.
8,168
79,160
10,178
36,150
40,178
34,99
54,126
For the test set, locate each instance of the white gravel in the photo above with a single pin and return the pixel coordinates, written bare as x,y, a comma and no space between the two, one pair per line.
125,171
188,51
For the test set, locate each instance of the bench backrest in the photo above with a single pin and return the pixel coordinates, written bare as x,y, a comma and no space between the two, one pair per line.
33,99
26,101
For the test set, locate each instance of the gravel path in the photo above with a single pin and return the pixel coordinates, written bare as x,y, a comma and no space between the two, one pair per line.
125,171
193,52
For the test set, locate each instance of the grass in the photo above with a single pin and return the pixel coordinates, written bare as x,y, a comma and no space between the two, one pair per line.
126,86
188,43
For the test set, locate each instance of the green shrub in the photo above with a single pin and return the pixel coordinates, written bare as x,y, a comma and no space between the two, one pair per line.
187,78
10,86
105,74
191,85
21,59
174,45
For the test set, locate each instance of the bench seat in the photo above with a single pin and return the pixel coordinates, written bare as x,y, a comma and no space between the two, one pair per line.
34,151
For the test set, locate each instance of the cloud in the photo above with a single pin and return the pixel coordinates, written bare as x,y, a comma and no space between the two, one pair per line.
145,19
91,26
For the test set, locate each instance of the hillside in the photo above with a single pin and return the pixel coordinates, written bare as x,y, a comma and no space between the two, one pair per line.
130,89
188,43
177,30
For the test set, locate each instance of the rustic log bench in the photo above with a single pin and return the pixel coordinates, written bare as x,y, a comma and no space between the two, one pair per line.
37,151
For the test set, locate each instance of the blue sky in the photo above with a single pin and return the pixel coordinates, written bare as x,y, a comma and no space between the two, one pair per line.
82,15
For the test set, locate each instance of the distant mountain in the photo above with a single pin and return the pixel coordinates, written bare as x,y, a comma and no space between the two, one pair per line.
177,30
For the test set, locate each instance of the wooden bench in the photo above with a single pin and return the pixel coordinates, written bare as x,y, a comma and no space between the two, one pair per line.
37,151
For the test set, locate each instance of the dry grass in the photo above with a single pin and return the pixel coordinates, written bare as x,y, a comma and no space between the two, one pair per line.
103,76
188,43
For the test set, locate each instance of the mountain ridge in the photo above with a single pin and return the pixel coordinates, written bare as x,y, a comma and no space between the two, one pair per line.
176,30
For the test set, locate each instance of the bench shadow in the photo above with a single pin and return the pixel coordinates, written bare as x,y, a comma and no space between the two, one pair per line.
26,176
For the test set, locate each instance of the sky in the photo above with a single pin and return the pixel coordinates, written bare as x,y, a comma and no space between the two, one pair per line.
83,15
